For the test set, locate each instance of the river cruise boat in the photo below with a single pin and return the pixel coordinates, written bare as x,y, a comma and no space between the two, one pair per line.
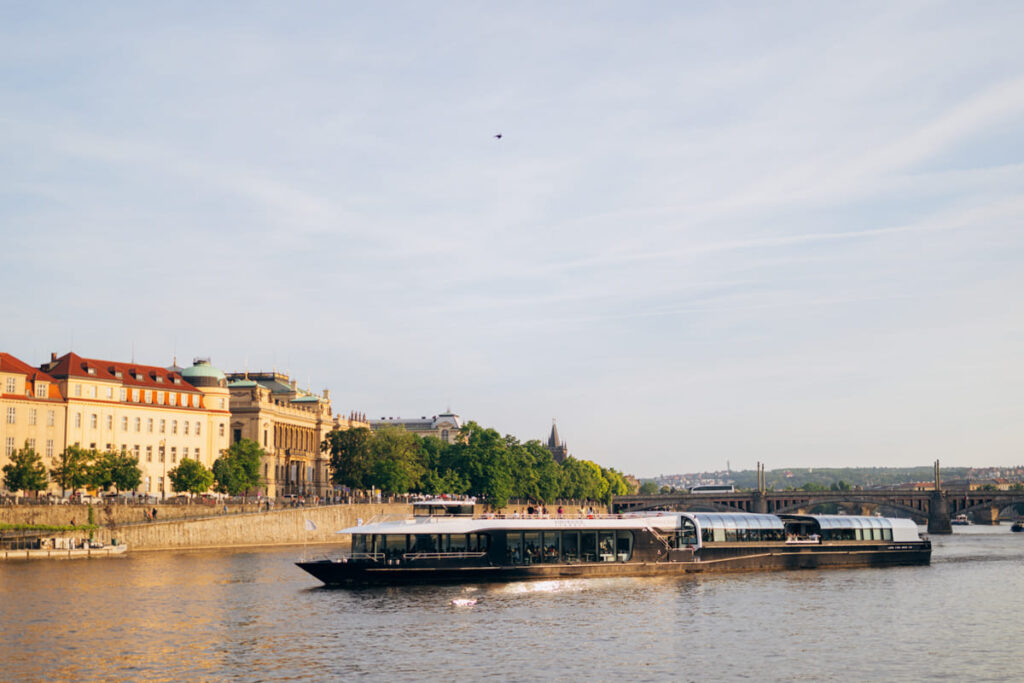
1018,524
434,549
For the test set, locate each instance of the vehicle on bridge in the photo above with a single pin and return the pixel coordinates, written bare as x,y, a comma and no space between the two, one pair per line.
431,549
713,488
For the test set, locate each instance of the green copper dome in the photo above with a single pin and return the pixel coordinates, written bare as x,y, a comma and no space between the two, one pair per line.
203,374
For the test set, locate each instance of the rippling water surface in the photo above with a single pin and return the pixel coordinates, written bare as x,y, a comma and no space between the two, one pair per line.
255,616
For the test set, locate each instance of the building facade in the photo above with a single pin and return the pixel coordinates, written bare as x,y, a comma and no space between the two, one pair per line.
289,424
32,410
445,426
153,413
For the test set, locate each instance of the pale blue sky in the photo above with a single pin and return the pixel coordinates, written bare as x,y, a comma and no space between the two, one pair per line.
787,232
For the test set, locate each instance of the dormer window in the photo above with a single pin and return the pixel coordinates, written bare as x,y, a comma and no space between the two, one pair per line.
159,378
91,371
118,374
177,380
42,389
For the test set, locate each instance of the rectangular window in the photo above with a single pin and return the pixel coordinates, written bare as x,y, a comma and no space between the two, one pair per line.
163,426
184,452
50,417
110,392
221,429
9,446
110,421
149,454
49,448
162,452
195,401
42,389
135,395
199,429
94,420
160,397
149,484
78,420
124,394
31,416
92,391
136,450
174,454
11,414
124,423
197,454
184,426
161,480
138,424
78,390
149,396
12,385
174,426
149,425
32,444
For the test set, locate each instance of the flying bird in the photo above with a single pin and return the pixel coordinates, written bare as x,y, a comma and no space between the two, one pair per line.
498,135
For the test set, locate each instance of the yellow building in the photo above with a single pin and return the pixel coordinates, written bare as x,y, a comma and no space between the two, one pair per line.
161,416
289,424
32,410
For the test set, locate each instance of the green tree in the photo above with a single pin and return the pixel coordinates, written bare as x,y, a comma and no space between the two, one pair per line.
617,485
25,471
351,460
119,470
72,468
237,470
397,460
190,476
648,488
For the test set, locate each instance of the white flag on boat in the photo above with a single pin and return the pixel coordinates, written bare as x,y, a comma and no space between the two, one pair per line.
310,526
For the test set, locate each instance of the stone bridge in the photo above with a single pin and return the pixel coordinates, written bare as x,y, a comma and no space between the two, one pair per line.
934,508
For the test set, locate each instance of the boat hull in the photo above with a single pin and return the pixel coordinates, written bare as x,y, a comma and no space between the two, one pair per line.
706,560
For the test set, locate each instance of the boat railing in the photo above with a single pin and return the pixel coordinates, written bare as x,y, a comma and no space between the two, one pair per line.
376,557
445,556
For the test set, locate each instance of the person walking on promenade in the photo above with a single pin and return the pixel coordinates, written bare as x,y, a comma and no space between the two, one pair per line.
154,514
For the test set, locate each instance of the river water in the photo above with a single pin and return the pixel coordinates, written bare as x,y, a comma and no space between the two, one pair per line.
253,615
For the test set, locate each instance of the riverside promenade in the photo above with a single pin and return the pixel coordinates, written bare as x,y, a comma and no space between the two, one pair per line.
198,526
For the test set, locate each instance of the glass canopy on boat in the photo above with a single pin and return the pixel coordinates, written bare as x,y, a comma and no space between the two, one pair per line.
741,520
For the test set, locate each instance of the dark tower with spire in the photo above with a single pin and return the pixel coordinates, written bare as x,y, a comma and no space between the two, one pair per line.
558,448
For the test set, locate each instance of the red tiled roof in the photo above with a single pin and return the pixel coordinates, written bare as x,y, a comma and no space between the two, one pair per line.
131,374
9,363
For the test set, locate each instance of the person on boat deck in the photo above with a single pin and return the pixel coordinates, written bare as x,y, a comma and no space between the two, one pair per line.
560,511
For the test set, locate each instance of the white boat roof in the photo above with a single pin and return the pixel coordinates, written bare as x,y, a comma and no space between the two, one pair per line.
469,525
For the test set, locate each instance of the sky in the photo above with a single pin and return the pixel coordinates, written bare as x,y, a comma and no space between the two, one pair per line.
710,232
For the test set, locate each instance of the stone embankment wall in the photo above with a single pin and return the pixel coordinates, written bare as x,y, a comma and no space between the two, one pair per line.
181,527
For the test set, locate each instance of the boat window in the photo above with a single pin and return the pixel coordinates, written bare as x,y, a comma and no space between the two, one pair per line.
687,534
624,545
886,534
458,543
359,543
606,546
483,542
551,546
531,547
571,546
588,546
391,544
425,543
514,547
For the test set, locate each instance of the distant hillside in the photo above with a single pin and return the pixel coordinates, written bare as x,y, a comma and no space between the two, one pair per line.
827,476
